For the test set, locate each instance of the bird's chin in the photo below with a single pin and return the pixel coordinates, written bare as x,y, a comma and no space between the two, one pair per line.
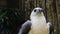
39,15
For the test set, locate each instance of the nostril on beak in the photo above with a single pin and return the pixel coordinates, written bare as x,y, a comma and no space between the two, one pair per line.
39,10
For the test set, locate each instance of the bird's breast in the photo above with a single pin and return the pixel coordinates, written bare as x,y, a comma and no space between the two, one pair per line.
39,27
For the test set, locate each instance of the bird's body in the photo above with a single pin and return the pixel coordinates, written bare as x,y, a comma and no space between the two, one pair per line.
37,23
39,26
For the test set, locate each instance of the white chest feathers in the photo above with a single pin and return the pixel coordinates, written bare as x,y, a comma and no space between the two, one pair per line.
39,26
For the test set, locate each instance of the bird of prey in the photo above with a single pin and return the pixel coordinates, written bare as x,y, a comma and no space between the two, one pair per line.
37,23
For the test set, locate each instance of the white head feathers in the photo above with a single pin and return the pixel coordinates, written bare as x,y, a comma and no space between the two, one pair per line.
37,12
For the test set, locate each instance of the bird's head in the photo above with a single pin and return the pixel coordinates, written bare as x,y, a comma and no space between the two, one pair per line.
37,12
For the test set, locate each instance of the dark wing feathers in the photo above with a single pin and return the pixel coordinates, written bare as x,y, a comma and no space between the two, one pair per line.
51,28
25,28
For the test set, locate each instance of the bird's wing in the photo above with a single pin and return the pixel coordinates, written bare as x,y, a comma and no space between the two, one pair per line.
51,28
25,27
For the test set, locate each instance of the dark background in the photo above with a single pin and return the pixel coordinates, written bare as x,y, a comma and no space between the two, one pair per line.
13,13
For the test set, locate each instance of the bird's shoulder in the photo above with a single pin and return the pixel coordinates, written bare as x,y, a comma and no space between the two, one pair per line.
27,23
50,27
25,27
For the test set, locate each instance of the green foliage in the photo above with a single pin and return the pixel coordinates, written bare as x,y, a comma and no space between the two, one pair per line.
9,19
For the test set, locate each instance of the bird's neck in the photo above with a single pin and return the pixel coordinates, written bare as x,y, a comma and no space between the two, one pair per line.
39,25
41,22
37,18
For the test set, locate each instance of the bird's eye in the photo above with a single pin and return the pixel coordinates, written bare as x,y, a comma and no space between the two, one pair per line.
34,10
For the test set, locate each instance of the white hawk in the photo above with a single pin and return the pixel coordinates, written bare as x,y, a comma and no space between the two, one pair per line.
37,23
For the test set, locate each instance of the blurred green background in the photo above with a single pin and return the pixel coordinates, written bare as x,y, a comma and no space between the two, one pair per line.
13,13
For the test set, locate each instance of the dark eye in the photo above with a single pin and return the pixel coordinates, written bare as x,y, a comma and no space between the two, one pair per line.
34,10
